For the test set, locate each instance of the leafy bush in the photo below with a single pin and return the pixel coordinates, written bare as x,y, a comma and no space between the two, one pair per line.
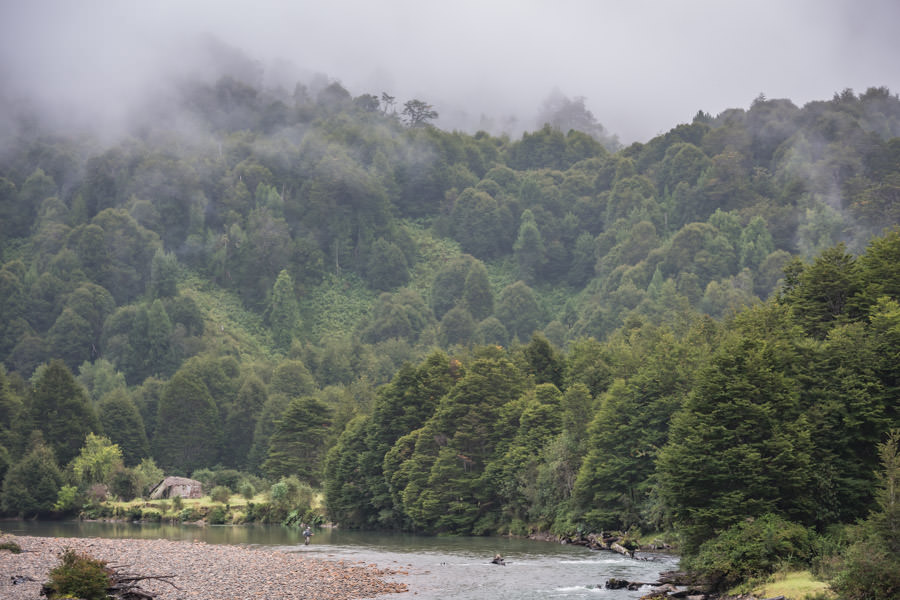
189,514
220,493
151,516
134,513
78,576
217,516
751,548
66,499
247,490
177,503
11,546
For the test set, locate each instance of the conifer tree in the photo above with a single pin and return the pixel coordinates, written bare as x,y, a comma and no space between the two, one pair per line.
124,426
188,431
284,312
31,486
61,410
298,445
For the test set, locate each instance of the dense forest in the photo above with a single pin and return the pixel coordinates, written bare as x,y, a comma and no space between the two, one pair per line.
459,333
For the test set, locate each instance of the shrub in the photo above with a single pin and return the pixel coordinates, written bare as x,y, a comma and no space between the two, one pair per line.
188,515
177,503
11,546
67,499
217,516
247,490
134,513
751,548
220,493
78,576
151,516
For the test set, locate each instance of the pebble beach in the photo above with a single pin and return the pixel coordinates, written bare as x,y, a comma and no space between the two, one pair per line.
202,571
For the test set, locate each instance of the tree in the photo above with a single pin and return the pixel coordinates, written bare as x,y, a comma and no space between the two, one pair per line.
456,327
444,485
31,485
124,426
97,461
189,430
297,447
740,447
518,310
71,338
163,275
478,295
529,248
417,113
386,267
823,292
870,567
284,311
449,284
61,411
481,224
241,420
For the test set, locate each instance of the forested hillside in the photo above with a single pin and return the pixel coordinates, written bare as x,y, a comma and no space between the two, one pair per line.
453,332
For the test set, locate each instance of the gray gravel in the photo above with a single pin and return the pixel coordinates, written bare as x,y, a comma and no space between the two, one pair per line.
203,571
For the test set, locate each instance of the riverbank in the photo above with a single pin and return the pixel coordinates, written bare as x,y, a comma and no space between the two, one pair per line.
201,570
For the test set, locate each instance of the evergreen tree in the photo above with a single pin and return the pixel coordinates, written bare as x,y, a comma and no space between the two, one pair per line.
71,339
188,433
518,310
478,296
297,447
124,426
60,409
529,248
456,327
741,446
386,267
31,485
240,422
284,312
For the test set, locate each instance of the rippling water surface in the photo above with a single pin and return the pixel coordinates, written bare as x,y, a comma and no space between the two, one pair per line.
434,568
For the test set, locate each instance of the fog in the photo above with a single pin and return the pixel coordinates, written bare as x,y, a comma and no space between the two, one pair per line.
642,66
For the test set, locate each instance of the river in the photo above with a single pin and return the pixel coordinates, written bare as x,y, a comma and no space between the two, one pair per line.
439,568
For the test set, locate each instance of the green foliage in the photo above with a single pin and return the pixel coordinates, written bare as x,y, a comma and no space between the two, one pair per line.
31,486
278,245
189,432
740,447
145,476
870,568
284,312
12,547
96,462
121,419
220,493
296,446
79,576
749,549
67,499
60,409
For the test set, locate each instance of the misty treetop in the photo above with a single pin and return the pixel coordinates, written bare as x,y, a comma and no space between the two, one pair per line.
452,332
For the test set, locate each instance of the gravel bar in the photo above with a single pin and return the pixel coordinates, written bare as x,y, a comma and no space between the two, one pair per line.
202,571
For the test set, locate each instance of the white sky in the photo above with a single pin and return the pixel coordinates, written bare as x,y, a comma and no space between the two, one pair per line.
643,66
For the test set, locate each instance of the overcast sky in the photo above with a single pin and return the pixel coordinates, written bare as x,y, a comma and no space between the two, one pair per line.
642,66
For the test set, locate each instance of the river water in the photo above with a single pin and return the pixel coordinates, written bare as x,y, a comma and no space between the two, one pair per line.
437,568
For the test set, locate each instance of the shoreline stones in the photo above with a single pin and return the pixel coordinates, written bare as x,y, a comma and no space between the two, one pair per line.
201,570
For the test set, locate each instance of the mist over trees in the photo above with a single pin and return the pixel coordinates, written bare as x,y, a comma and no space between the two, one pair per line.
460,333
